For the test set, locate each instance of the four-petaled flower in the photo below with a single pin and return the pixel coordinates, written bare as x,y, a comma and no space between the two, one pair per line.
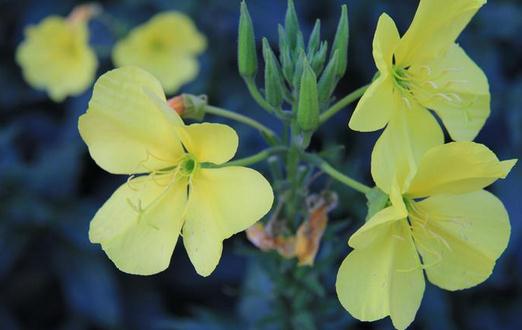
130,129
55,56
166,46
427,69
437,209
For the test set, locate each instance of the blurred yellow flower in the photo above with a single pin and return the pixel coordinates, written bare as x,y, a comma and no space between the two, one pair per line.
166,46
130,129
437,209
426,68
55,56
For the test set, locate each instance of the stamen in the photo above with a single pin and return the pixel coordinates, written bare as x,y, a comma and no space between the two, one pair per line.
398,237
138,209
129,180
455,97
432,84
444,96
427,68
407,102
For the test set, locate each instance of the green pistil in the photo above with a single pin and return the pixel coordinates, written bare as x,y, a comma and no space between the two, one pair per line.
400,76
188,166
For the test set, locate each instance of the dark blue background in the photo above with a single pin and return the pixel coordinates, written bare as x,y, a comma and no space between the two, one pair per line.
51,277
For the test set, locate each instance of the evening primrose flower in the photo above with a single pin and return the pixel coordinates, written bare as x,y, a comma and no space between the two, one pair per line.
437,209
175,187
55,56
426,68
166,46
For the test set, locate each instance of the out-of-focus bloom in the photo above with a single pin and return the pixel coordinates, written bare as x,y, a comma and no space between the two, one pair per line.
166,46
55,55
130,129
427,69
438,210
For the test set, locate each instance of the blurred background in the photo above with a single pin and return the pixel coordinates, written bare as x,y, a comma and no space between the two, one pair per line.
51,277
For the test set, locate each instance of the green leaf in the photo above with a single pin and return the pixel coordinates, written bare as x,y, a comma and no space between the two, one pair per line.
247,53
341,42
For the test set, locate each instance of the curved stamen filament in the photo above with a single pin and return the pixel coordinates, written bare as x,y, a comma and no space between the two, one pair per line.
422,85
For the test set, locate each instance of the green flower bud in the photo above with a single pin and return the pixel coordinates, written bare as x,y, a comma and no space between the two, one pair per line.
273,79
315,38
284,54
298,70
189,106
319,58
246,53
328,79
291,25
341,42
300,44
308,106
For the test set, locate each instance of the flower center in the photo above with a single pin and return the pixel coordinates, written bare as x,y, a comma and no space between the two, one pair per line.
188,166
428,238
421,84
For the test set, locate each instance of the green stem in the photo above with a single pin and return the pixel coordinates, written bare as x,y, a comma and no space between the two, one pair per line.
342,103
256,158
240,118
331,171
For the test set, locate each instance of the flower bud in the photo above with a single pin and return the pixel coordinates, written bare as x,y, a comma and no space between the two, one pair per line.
328,79
189,106
291,25
247,54
284,54
341,42
308,106
315,38
317,61
273,80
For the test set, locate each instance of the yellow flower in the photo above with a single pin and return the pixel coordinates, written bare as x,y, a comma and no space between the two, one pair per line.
166,46
437,209
55,56
426,68
130,129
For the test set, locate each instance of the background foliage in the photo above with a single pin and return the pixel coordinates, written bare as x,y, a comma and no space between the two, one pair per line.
51,277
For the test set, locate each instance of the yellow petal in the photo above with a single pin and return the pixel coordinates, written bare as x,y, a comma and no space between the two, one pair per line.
385,41
436,25
460,237
125,131
379,102
383,279
215,143
139,225
410,133
55,56
462,99
457,167
376,106
375,227
170,57
223,202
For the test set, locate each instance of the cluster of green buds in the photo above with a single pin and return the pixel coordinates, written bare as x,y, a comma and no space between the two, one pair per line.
304,75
